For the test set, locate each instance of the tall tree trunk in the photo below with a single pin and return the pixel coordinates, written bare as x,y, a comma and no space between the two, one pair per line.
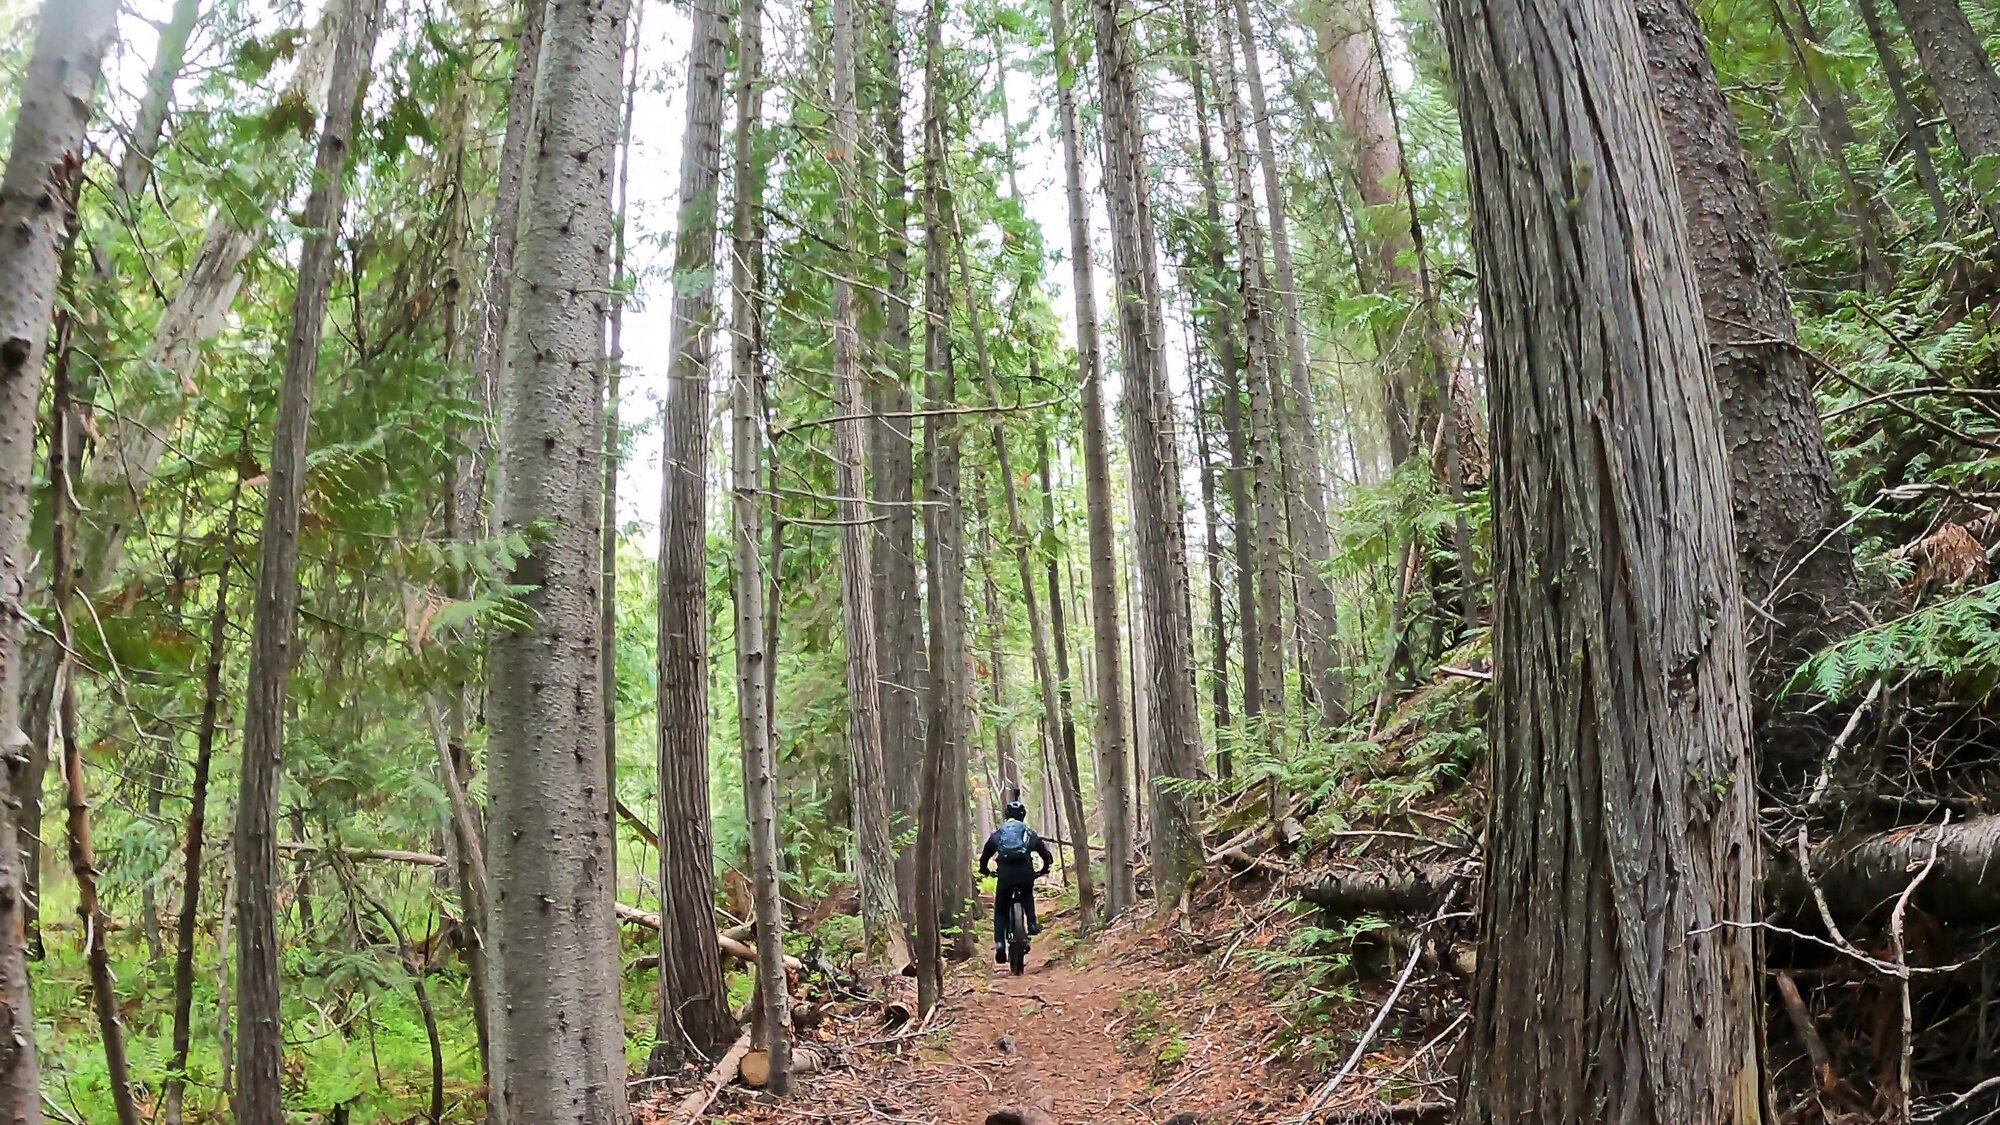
1960,70
694,1009
1221,313
1781,476
950,702
1038,639
1616,602
760,780
874,854
64,446
1218,629
174,1084
57,94
132,444
1006,759
1253,301
1347,50
614,440
1298,421
1922,138
1059,630
274,627
1113,780
558,1041
135,167
898,603
1155,480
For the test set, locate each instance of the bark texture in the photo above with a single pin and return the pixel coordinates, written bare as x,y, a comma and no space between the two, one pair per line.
694,1019
874,852
1960,71
1155,479
1621,830
558,1042
274,626
1784,501
760,781
58,92
1260,370
949,723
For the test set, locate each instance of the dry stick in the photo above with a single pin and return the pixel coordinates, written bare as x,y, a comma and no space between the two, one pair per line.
1902,964
695,1104
1368,1036
1795,1008
1823,786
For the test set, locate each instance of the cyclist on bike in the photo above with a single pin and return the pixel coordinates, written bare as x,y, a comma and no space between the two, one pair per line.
1015,846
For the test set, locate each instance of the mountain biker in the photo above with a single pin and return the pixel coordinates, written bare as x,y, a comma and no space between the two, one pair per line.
1015,846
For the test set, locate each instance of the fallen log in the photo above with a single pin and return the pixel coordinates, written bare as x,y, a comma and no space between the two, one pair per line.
755,1070
696,1103
1859,876
1862,876
730,946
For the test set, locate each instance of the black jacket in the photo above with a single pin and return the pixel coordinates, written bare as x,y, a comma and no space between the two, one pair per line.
1016,870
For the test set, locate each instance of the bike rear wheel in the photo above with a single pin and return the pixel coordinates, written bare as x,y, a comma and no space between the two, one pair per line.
1017,939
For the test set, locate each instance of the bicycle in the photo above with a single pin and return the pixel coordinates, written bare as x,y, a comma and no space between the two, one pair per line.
1017,938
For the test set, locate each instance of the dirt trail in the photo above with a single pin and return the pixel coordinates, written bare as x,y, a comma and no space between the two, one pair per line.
1073,1036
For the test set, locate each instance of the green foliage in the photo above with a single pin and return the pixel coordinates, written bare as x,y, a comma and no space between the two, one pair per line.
1956,639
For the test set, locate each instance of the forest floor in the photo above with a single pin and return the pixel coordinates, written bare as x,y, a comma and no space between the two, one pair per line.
1148,1023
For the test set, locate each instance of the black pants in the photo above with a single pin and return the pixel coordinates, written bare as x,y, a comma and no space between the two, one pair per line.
1010,892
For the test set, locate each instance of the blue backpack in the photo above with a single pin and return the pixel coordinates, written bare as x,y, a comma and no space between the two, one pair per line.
1011,842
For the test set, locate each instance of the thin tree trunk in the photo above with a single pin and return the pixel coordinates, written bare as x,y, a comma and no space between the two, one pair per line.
694,1017
1038,639
63,449
753,656
1620,733
898,602
1222,312
1836,128
1217,628
260,1024
614,441
1922,138
1059,631
1264,425
1298,418
135,167
874,854
1960,70
175,1082
1112,776
950,719
1006,758
558,1041
1782,483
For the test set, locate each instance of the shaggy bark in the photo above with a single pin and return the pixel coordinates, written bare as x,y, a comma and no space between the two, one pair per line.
1960,71
558,1042
1155,478
874,853
259,1021
1782,488
1622,822
693,1017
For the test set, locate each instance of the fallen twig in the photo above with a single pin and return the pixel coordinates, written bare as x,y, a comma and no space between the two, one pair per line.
696,1104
